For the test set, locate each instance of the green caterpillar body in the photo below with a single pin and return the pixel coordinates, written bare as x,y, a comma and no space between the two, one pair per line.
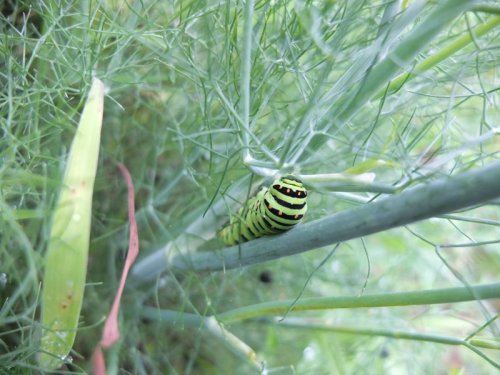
273,210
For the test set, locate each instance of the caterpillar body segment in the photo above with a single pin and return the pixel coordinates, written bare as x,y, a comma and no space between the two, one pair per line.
273,210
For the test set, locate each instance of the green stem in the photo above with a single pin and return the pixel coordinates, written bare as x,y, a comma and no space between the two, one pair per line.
403,54
395,334
400,58
421,297
179,319
435,59
422,202
426,297
487,9
246,68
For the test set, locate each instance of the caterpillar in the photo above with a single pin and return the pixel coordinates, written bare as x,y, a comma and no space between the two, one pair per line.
273,210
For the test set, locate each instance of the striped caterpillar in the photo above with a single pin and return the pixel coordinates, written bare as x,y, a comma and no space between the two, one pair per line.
273,210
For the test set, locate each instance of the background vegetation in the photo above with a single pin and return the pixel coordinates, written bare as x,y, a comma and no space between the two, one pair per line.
205,101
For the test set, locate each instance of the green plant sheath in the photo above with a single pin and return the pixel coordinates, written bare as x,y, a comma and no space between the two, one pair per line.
66,263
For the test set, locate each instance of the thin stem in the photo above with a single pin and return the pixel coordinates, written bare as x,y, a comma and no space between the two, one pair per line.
246,67
404,53
421,297
395,334
392,333
439,56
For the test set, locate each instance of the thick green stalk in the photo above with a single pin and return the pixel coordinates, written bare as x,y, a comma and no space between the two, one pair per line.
424,201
